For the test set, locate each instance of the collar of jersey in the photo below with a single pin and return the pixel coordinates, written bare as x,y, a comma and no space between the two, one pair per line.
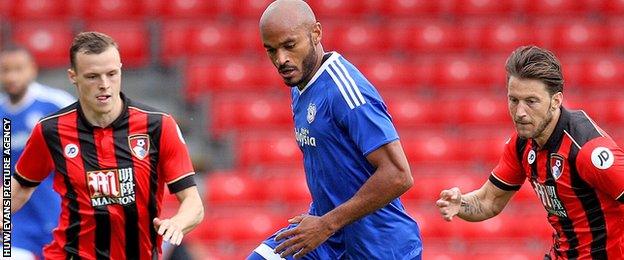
557,134
334,56
115,123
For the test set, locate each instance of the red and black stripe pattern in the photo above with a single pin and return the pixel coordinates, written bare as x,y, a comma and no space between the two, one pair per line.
111,180
581,200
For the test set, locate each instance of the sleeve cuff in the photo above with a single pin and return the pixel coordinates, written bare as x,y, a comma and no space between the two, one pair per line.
502,185
23,181
181,184
621,198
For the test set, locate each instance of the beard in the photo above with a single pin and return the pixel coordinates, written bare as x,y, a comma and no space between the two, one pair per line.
541,127
307,66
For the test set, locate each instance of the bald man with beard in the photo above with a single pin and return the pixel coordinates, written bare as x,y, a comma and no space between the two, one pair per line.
354,162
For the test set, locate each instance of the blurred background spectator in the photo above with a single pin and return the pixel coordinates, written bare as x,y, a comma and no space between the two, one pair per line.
438,64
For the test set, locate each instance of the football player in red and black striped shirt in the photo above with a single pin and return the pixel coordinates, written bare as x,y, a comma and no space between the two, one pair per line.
111,159
575,168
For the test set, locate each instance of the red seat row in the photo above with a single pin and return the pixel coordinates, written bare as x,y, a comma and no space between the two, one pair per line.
448,72
29,9
50,42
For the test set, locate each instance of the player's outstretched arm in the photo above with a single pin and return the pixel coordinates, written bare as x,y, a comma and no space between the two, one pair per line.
190,213
478,205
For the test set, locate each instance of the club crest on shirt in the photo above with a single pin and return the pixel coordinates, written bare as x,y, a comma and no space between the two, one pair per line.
139,145
556,165
311,113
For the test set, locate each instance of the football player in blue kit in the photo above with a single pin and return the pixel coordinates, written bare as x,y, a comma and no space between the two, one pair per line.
24,102
354,163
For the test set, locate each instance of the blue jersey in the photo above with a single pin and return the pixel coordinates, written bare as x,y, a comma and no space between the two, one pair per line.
340,118
33,223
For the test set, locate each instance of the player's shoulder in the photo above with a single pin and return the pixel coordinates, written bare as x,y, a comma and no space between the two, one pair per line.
347,84
581,129
66,111
46,94
143,108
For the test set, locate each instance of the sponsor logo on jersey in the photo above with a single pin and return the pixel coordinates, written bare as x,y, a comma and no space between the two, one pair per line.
602,158
71,150
111,186
303,137
556,165
531,157
139,145
311,113
548,196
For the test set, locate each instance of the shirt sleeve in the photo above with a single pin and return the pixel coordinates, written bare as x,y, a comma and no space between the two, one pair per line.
35,163
600,162
508,175
369,126
175,162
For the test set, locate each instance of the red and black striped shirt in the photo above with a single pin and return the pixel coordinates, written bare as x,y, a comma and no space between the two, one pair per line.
111,179
579,177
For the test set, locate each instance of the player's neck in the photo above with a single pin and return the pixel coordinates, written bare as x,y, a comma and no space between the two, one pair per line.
548,131
319,61
104,119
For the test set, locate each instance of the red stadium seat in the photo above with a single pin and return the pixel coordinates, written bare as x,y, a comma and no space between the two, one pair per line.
486,148
394,74
428,36
431,148
249,9
482,109
48,41
274,148
504,37
337,8
460,72
411,110
238,224
205,76
115,9
580,36
613,7
615,29
209,38
189,8
603,72
182,38
26,10
355,38
131,36
410,8
5,8
228,189
174,41
553,7
291,189
249,37
239,112
482,7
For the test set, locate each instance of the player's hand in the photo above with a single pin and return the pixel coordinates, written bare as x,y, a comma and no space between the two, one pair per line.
449,203
169,230
305,237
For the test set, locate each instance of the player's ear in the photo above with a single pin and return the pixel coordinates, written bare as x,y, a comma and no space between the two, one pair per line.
71,75
317,33
557,100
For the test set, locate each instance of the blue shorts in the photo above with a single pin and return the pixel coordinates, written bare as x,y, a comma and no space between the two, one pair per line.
333,248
